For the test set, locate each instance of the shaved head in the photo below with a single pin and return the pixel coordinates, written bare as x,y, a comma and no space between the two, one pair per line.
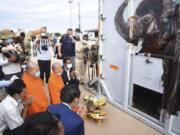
55,66
32,67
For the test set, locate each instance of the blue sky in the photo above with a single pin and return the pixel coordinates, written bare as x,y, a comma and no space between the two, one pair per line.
32,14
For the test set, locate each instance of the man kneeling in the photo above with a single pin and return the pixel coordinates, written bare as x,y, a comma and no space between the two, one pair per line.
72,122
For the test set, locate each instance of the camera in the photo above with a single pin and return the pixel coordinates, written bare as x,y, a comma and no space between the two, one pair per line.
44,47
86,53
44,43
19,54
8,54
93,54
85,50
20,57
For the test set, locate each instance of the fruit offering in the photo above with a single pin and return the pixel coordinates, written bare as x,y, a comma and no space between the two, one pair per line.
96,100
98,115
94,104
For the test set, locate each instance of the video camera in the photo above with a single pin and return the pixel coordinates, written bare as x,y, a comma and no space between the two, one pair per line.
20,56
44,41
44,47
94,54
85,54
86,50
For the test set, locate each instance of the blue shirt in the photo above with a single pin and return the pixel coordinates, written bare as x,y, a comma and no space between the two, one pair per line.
72,122
67,46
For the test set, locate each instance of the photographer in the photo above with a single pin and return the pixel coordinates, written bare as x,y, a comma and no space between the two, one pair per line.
82,50
42,47
67,47
8,55
23,41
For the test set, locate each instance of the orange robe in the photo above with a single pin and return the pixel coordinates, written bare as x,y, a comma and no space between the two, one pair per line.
55,85
36,89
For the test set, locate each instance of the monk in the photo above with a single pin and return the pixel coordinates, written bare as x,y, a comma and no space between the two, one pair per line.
35,88
55,83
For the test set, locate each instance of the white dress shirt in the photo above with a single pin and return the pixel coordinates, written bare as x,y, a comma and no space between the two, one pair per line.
68,74
67,105
10,117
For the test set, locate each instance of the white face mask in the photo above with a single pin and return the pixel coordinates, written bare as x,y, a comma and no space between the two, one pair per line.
77,102
59,74
61,62
37,74
20,104
69,66
84,41
24,67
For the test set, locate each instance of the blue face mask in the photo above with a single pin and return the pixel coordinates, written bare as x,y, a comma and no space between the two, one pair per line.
9,41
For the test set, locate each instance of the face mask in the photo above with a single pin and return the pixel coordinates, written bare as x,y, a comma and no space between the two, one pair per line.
59,74
20,103
44,34
84,41
37,74
9,41
77,102
24,67
61,62
69,66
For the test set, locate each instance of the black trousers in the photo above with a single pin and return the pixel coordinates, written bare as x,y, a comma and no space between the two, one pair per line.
45,69
18,131
8,77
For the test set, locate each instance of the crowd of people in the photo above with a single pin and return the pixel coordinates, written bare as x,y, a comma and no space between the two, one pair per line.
24,105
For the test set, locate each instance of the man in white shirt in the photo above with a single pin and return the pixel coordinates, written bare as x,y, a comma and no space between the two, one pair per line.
12,109
3,85
10,116
42,47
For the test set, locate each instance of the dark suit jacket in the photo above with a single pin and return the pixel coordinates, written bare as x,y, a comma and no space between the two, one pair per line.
72,122
66,79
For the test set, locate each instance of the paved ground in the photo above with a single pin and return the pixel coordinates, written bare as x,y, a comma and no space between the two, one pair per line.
117,123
